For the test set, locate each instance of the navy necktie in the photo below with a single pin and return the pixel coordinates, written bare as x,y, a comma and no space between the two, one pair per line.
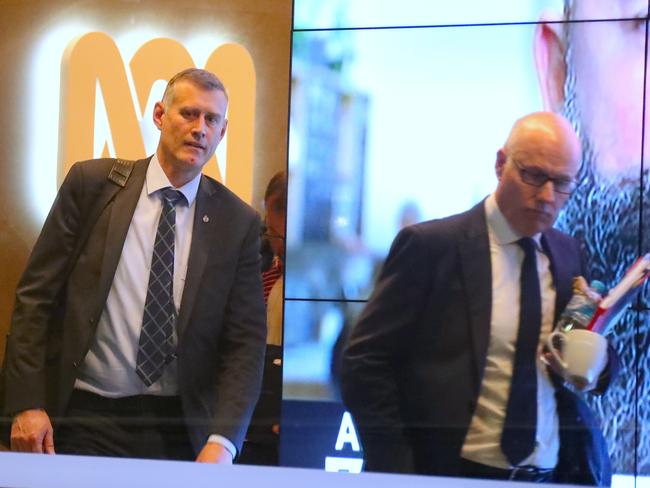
518,437
155,347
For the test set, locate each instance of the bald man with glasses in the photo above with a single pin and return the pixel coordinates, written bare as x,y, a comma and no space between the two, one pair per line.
444,371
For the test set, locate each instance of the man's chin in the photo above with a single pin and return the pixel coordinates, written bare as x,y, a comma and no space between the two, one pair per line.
190,152
193,161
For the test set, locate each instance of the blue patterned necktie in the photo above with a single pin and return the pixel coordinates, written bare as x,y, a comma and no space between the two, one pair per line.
155,347
518,437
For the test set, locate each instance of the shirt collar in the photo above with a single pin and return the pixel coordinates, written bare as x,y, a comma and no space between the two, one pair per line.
499,227
156,179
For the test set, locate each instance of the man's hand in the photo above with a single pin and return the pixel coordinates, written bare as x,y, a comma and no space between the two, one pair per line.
556,367
213,452
31,431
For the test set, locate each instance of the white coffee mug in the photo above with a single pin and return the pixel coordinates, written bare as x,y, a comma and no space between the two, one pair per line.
581,354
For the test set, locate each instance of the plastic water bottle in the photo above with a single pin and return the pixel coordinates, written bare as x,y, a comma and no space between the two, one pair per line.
582,305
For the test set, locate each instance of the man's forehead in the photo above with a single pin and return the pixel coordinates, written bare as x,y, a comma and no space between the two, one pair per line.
199,108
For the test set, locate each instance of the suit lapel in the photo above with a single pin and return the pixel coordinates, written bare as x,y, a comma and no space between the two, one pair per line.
476,268
562,279
207,235
121,213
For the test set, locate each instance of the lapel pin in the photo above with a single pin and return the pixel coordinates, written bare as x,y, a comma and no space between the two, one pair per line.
206,219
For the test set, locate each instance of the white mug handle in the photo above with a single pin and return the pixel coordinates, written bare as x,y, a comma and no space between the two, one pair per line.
555,352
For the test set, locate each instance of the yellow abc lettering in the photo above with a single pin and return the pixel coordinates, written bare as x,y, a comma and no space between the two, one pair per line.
94,60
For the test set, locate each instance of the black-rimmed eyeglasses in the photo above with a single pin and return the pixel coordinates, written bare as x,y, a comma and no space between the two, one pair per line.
539,178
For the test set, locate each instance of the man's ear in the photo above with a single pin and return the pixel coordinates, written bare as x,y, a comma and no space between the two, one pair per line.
223,129
158,112
549,52
500,163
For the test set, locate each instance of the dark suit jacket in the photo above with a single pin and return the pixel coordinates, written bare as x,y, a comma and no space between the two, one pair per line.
414,363
221,324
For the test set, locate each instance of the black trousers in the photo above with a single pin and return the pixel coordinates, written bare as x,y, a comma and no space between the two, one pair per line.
142,426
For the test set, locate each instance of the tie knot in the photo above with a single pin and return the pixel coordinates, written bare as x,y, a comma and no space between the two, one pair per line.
528,245
172,197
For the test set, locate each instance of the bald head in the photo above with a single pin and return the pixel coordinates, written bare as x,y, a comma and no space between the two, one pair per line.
545,131
535,169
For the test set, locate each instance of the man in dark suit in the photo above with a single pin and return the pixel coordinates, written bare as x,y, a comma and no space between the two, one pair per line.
445,339
159,348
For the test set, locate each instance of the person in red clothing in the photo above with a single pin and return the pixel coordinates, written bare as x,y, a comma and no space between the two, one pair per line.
275,204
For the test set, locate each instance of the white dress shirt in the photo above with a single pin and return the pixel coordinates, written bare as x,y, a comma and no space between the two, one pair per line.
482,443
109,366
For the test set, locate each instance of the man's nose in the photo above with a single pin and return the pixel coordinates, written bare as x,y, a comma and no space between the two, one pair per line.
198,129
546,192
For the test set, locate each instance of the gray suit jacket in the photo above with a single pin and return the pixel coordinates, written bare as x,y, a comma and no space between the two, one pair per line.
414,362
221,324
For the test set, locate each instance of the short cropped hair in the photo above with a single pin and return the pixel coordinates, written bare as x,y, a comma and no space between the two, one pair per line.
199,77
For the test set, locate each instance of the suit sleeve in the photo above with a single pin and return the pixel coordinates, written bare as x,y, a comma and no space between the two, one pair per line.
377,345
241,344
32,338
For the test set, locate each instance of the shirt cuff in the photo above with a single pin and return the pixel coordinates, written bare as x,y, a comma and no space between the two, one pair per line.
219,439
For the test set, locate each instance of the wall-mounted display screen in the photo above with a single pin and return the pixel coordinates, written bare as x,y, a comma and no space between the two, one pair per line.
397,113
